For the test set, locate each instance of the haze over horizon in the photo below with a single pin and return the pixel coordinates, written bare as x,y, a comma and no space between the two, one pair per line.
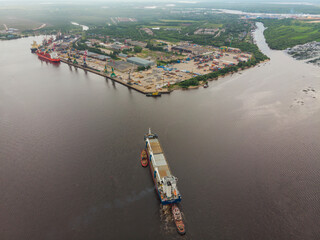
166,1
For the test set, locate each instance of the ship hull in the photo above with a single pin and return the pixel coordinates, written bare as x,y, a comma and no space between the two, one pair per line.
33,50
48,59
163,202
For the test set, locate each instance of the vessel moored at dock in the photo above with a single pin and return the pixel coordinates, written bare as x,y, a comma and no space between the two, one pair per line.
165,182
49,56
34,47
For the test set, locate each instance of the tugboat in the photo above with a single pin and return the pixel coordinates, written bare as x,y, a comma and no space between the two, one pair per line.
178,219
144,158
154,94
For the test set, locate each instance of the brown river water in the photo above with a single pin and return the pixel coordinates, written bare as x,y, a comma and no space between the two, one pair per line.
246,152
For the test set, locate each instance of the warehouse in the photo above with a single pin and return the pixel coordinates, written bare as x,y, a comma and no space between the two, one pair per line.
140,61
95,55
192,48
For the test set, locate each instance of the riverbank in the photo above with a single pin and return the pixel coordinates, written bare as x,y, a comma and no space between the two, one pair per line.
84,27
115,79
203,83
202,80
4,37
195,82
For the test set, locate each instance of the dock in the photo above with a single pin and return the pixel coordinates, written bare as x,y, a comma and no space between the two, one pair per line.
131,86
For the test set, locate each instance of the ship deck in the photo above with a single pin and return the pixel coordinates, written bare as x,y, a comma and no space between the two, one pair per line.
155,145
159,161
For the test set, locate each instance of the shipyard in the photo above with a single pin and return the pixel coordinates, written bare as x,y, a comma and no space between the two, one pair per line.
150,72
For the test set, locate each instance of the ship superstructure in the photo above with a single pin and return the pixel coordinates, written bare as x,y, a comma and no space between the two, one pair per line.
165,182
34,47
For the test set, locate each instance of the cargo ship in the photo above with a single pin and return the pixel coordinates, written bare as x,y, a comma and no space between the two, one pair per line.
164,181
50,56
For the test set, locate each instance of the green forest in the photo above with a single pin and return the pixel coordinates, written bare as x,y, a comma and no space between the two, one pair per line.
286,33
177,29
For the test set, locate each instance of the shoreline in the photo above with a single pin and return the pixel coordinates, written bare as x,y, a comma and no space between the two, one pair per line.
131,86
215,79
138,89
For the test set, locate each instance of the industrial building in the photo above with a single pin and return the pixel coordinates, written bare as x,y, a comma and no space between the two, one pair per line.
140,61
191,48
123,55
95,55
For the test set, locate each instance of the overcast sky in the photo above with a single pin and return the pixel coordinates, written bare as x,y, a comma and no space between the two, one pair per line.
171,1
191,2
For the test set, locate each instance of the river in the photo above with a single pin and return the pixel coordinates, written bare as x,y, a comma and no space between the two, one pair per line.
84,27
246,152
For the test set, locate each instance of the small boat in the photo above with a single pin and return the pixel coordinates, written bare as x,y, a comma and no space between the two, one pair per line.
154,94
178,219
144,158
205,85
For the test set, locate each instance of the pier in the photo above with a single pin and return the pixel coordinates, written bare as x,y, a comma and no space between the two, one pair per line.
131,86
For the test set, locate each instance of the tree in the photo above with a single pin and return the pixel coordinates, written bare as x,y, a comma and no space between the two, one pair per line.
141,68
137,49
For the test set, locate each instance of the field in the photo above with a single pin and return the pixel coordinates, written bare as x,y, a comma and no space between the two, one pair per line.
282,34
148,53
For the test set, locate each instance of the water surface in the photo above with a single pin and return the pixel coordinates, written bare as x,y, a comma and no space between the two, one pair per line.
245,150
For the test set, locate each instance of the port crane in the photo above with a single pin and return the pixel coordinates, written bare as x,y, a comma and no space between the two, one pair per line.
112,73
129,76
84,58
106,70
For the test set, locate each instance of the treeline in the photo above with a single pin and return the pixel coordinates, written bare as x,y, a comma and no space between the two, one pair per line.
163,63
180,30
48,30
286,33
82,46
153,47
142,68
257,55
123,31
9,36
